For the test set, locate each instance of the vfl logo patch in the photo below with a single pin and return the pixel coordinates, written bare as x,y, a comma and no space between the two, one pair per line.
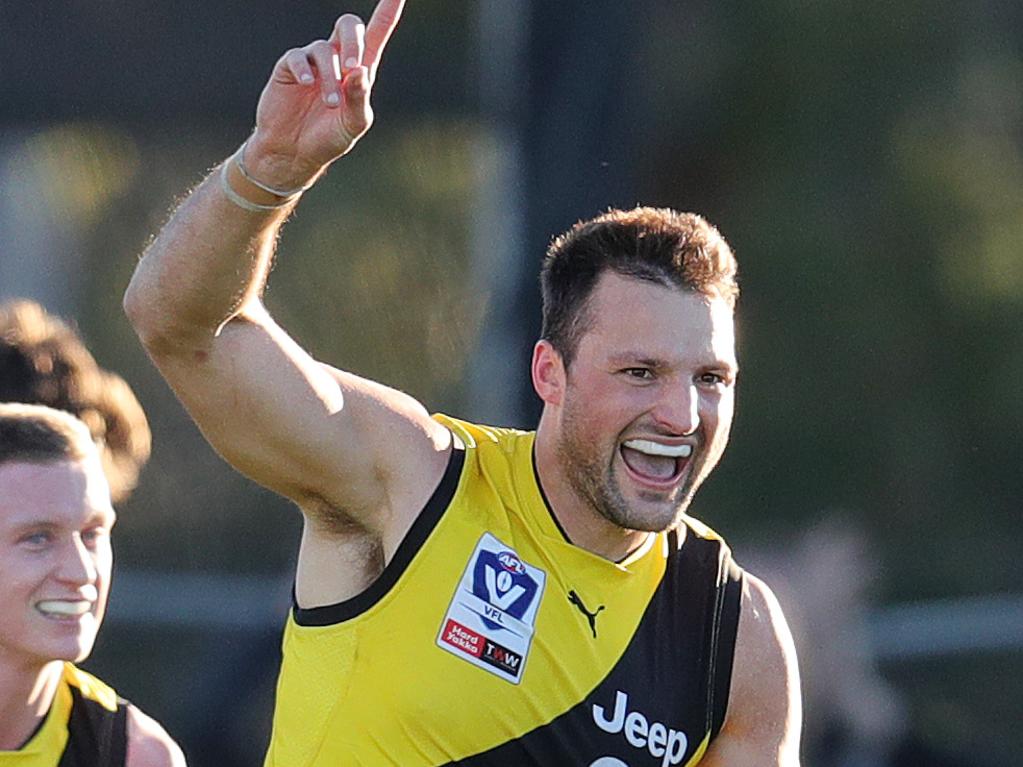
492,616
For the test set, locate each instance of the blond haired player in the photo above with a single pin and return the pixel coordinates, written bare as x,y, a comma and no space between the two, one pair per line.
55,566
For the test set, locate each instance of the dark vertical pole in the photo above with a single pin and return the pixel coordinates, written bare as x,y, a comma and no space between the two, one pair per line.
572,132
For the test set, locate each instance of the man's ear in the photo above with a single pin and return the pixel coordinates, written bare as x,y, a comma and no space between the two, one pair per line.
548,373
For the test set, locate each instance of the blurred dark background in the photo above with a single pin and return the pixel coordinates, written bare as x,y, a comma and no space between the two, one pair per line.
864,159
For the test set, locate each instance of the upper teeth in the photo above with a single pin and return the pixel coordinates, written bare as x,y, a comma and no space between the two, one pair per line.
62,607
656,448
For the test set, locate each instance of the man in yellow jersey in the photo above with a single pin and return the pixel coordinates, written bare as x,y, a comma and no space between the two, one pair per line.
55,565
467,594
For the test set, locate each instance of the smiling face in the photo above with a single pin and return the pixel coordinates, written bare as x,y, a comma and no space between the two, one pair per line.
55,558
643,413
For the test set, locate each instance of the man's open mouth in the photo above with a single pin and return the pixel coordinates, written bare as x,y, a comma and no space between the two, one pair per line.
655,462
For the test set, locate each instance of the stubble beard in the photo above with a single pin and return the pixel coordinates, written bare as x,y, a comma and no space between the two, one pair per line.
591,475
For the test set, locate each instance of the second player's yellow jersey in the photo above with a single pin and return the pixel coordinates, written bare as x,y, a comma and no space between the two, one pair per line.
86,726
490,639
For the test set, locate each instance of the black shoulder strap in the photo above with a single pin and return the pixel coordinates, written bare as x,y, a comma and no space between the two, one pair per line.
97,737
415,538
727,620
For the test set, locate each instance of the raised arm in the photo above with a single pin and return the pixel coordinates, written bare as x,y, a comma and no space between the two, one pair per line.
349,451
764,719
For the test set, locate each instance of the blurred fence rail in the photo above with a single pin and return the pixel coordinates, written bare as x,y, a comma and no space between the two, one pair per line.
217,602
245,603
948,626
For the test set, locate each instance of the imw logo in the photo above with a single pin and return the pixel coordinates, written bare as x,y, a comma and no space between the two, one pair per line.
661,741
507,660
502,655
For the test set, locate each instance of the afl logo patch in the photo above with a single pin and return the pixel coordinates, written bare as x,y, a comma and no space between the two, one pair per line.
510,562
492,616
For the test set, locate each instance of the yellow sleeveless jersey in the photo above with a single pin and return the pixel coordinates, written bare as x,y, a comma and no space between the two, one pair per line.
86,726
489,639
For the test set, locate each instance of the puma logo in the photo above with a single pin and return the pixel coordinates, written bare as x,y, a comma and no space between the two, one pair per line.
591,617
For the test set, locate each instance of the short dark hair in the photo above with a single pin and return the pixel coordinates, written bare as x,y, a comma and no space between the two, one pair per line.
43,361
659,245
37,434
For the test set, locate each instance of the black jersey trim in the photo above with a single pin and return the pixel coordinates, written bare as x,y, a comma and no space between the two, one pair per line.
725,649
119,736
429,517
97,737
543,496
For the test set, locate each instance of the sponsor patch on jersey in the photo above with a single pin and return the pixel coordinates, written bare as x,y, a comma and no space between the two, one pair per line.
492,616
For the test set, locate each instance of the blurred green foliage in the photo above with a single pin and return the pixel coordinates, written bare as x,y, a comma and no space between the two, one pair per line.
864,159
370,276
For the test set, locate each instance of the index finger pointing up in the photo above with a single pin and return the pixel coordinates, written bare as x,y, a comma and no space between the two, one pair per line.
378,32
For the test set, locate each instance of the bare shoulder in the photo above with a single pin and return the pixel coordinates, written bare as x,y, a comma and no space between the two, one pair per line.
764,639
149,745
407,449
764,717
